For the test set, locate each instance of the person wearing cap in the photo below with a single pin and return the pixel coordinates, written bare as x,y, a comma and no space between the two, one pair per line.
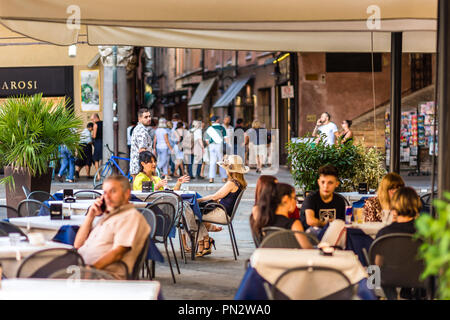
214,137
161,147
226,196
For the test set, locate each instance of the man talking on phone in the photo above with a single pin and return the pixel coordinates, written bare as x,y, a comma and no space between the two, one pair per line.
118,233
326,127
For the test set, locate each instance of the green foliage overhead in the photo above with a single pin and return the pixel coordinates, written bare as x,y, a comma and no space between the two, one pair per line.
435,251
32,129
355,163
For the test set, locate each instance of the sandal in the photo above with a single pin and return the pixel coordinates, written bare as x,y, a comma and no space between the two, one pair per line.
211,242
200,252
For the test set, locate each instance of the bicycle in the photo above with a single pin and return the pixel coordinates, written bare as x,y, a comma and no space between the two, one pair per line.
107,169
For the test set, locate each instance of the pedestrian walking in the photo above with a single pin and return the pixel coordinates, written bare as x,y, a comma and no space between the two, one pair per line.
238,139
326,127
205,158
228,147
97,137
84,158
256,138
178,137
67,162
162,147
140,140
214,138
170,129
197,150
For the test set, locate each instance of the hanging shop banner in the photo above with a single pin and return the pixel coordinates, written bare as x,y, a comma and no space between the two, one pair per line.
90,90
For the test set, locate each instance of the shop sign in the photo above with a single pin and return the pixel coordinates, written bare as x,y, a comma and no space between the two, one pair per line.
51,81
287,92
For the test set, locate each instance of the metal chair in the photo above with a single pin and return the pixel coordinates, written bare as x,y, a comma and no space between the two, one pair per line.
7,228
165,214
229,220
7,212
311,283
177,202
426,201
87,194
140,261
44,263
150,217
347,203
281,239
397,256
98,186
40,196
26,191
82,273
30,208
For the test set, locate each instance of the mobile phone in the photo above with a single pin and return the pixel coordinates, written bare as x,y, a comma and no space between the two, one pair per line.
103,206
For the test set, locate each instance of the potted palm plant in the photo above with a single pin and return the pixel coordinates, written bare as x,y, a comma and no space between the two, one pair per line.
31,131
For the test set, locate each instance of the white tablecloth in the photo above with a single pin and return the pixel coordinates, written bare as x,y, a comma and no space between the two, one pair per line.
270,263
12,256
45,225
369,228
53,289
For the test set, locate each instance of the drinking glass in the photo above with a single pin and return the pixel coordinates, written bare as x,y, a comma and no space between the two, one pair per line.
360,215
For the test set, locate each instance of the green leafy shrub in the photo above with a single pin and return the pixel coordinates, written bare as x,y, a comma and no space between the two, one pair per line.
355,163
435,251
32,130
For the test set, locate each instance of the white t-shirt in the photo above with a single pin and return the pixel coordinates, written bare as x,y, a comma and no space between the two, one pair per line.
160,141
329,130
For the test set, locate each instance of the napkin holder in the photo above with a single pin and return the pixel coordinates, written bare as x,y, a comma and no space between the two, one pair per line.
147,186
362,188
68,196
56,211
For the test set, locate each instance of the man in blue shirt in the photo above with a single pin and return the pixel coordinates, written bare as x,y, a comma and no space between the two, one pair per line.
214,138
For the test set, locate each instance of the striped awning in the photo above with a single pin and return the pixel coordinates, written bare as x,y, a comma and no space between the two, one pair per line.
231,92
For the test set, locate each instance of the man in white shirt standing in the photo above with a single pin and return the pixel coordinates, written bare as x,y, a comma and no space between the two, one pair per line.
325,126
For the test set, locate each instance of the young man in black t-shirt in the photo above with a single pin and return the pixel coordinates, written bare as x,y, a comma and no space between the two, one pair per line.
323,206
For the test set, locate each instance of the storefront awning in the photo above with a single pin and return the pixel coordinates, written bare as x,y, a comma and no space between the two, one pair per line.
201,92
266,25
231,92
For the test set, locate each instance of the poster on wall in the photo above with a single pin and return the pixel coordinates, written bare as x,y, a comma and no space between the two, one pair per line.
90,90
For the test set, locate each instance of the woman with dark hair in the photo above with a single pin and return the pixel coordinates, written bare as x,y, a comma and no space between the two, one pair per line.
263,182
147,172
274,205
347,134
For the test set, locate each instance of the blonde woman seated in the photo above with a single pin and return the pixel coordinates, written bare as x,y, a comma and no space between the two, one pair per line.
147,172
226,196
377,209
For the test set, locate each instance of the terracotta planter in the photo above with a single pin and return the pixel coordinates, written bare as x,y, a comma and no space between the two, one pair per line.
23,178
